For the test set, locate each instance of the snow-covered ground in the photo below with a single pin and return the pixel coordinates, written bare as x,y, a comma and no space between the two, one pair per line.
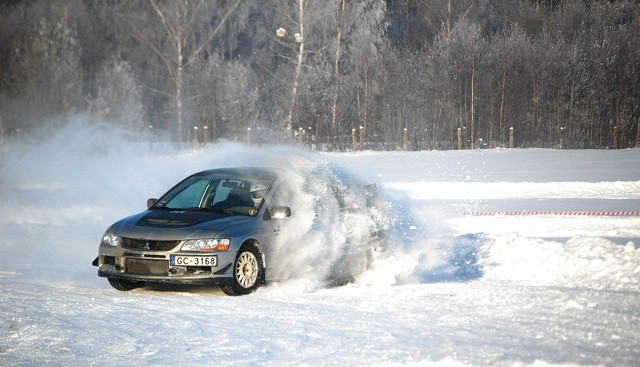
495,261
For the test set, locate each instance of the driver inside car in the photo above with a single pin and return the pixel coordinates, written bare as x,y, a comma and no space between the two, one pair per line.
258,192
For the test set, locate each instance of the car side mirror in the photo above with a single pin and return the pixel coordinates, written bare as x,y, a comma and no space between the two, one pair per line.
150,202
278,212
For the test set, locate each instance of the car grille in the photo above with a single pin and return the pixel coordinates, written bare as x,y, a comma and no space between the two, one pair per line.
134,244
147,267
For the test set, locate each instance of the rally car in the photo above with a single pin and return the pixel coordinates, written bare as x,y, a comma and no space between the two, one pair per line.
237,228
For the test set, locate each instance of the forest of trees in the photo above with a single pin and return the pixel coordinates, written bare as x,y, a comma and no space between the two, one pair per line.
411,73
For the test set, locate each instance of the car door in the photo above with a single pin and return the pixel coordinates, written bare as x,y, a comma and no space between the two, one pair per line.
271,231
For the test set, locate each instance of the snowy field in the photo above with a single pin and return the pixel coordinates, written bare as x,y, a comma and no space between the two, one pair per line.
497,259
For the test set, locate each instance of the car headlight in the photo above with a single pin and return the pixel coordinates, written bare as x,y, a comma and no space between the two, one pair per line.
207,245
110,239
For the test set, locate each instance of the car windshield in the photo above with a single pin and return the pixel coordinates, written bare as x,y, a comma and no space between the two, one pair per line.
229,194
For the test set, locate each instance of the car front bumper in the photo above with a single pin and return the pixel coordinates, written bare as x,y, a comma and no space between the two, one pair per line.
152,266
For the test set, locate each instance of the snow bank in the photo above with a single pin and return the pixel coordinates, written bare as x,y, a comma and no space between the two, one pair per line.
517,190
587,262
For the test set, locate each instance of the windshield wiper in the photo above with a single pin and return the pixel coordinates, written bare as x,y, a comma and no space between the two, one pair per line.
199,209
190,209
195,209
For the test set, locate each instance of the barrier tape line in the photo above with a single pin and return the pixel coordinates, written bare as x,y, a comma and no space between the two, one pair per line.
585,214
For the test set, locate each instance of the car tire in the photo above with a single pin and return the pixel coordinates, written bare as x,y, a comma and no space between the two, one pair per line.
124,285
247,272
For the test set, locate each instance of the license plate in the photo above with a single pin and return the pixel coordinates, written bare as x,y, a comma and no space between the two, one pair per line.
177,260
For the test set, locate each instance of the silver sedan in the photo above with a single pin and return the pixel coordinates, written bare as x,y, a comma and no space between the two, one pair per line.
219,226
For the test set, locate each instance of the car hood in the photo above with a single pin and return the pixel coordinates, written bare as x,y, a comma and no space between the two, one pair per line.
176,225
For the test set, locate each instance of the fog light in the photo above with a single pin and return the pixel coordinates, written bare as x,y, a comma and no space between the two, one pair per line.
177,270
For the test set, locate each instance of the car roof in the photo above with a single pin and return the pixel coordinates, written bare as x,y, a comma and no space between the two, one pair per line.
241,172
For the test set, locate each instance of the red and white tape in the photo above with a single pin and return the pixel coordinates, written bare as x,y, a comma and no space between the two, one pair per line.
585,214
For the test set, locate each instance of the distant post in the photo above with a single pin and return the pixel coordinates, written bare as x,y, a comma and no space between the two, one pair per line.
615,137
195,135
301,135
361,138
405,140
354,141
638,135
459,138
205,132
249,136
511,139
150,140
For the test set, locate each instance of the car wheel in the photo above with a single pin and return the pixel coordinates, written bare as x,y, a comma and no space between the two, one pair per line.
124,285
247,272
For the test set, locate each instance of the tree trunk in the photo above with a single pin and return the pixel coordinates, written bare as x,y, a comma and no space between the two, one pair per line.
366,95
358,98
504,81
473,115
179,80
336,68
296,77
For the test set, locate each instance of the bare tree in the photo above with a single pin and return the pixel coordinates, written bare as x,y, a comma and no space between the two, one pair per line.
118,96
340,11
299,38
188,32
49,72
364,47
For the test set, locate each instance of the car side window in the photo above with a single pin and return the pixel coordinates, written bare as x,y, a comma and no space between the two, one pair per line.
222,191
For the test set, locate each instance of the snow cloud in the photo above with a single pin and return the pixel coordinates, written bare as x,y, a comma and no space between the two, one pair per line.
62,188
